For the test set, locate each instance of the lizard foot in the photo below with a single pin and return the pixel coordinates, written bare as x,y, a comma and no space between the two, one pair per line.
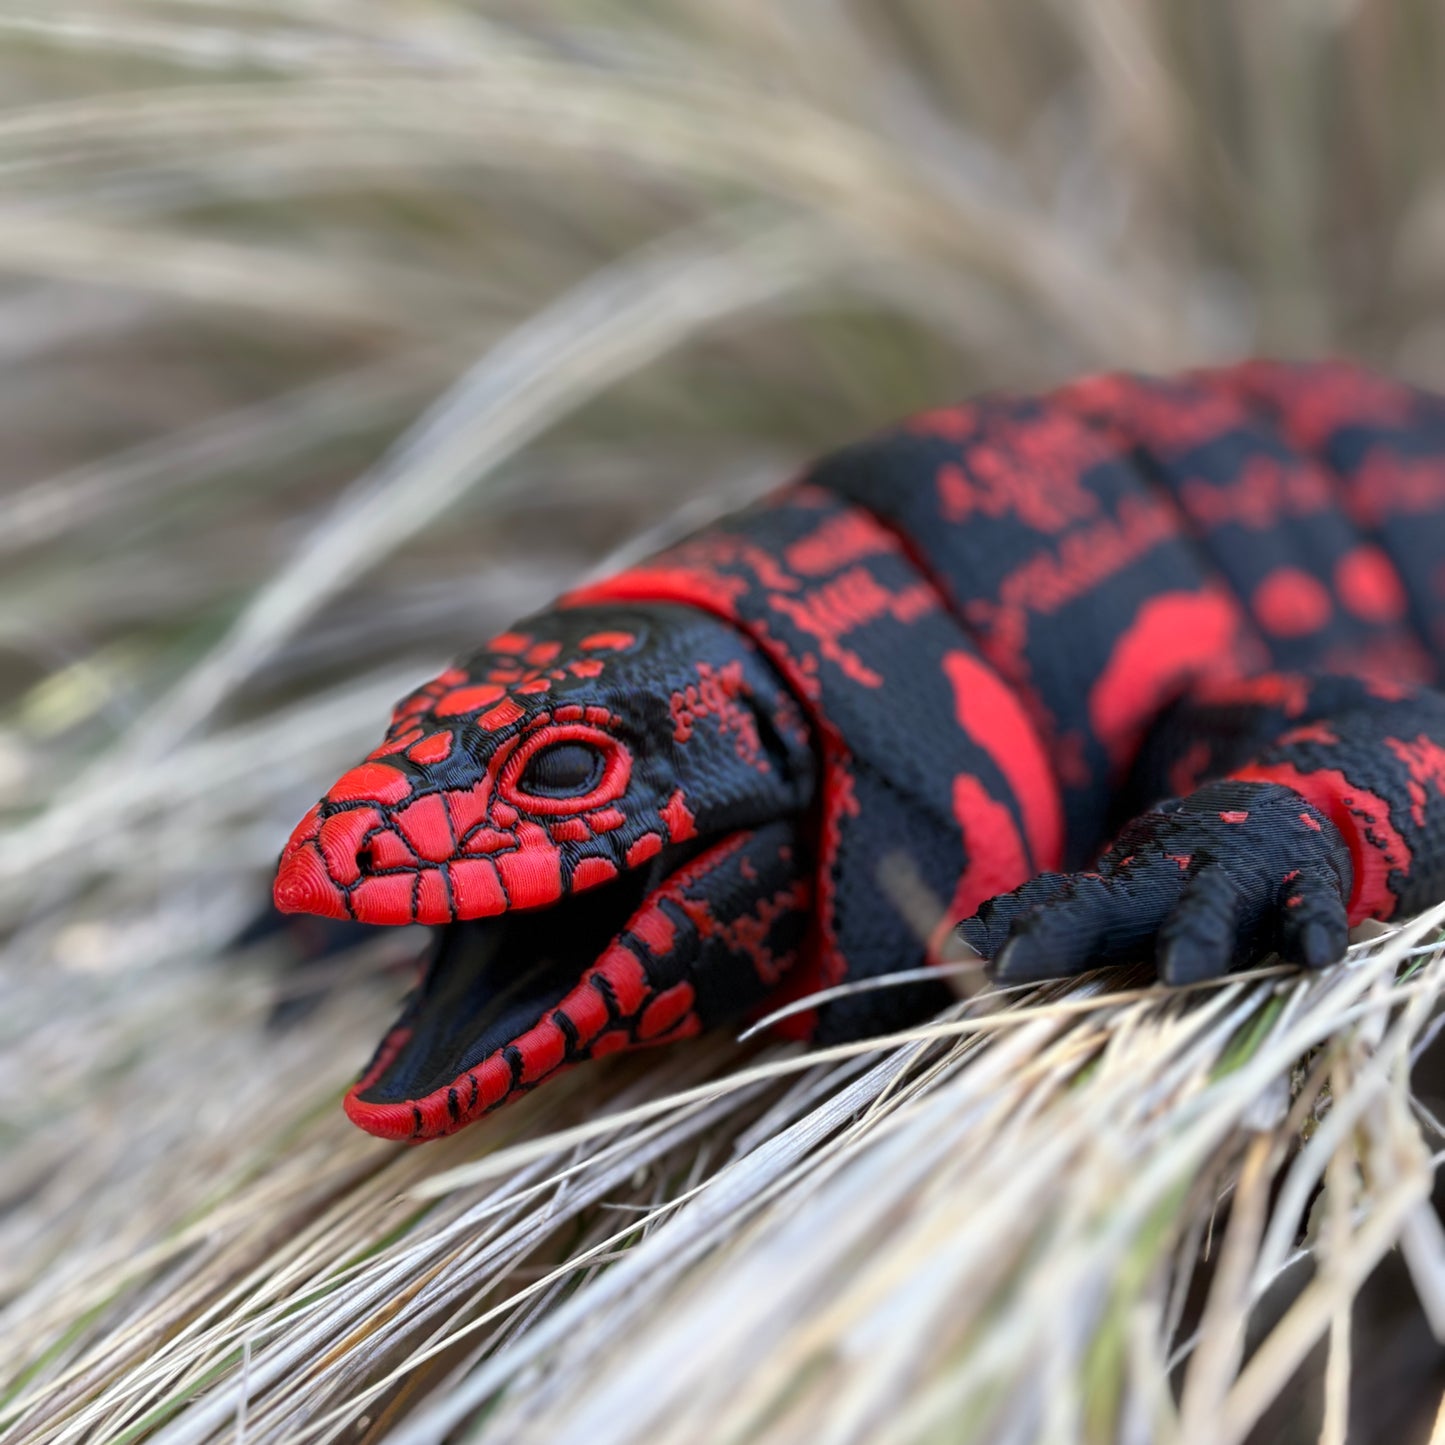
1214,881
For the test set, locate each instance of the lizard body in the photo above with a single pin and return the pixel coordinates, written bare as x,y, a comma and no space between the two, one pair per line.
921,687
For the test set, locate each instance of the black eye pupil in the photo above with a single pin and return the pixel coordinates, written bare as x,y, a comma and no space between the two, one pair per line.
562,771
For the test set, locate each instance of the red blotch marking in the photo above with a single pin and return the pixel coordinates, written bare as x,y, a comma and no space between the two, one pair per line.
647,846
533,874
387,899
596,641
990,712
599,716
340,841
388,851
398,744
667,1009
1182,859
656,930
681,825
572,712
1263,493
1290,876
840,539
716,695
1387,689
1376,848
1369,586
302,886
434,904
592,871
424,826
953,423
604,820
469,699
570,830
541,653
1030,466
504,815
1173,639
1288,691
509,642
609,1043
371,783
674,583
543,1050
625,976
433,749
1234,815
585,667
1293,901
503,715
1310,733
1424,760
1313,824
997,859
846,603
536,685
1291,603
476,888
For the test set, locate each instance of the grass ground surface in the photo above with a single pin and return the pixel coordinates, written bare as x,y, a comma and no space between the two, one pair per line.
335,333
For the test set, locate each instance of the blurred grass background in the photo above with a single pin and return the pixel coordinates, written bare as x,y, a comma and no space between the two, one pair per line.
335,333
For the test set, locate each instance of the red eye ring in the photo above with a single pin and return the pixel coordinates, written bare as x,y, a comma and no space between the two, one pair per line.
616,770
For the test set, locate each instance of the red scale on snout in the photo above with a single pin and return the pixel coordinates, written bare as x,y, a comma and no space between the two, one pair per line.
340,841
533,874
476,888
383,899
424,826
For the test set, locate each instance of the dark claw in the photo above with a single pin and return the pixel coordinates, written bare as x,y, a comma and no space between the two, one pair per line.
1046,944
1199,939
1094,921
1314,930
989,930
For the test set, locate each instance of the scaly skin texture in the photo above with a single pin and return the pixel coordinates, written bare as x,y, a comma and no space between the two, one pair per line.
926,686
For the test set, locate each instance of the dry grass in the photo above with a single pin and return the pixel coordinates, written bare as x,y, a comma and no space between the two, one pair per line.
333,334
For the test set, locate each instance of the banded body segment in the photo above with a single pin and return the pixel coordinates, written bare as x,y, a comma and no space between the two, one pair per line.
1274,519
1076,575
1385,443
934,783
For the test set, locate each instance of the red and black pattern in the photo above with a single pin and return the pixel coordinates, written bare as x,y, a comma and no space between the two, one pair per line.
902,693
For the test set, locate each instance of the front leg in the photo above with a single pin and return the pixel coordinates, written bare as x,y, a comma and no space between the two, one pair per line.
1320,806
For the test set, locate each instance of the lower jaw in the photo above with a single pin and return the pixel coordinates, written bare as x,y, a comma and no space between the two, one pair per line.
452,1053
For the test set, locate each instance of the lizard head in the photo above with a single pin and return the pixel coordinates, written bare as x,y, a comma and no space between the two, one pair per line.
529,800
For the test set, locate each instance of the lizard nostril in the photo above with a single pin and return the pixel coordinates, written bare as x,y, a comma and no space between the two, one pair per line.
366,856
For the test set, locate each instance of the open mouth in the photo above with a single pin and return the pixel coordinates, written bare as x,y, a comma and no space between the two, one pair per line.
465,1038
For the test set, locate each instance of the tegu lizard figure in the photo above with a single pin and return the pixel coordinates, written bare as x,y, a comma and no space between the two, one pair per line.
1141,668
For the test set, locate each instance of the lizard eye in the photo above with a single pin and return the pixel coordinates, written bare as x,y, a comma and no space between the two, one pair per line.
567,769
564,770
